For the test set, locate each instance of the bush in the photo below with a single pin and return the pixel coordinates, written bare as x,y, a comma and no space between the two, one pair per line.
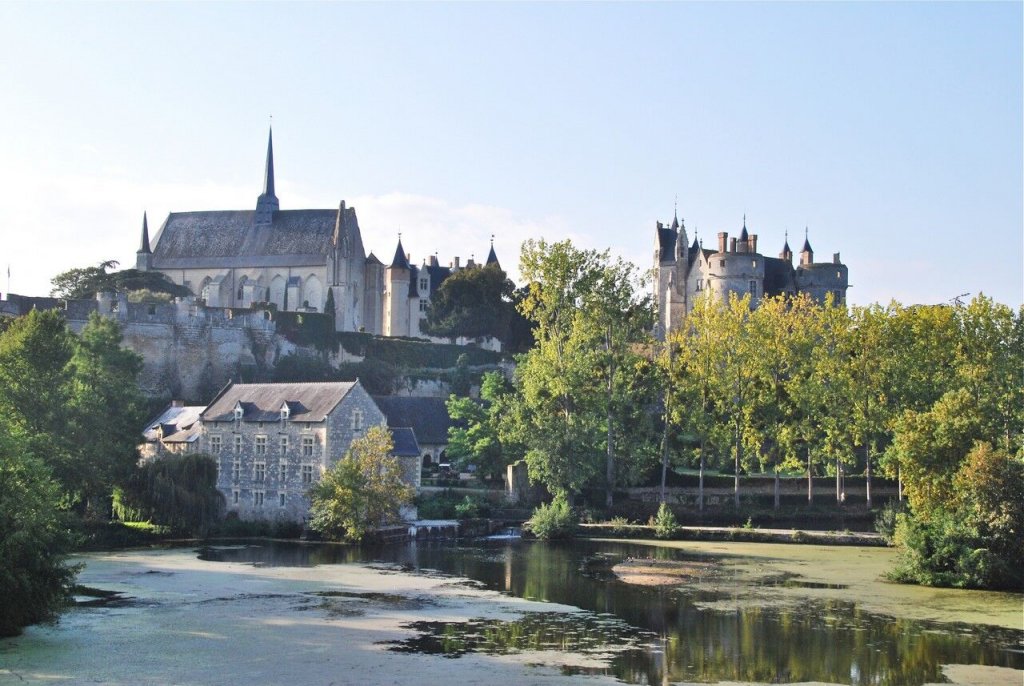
665,523
177,491
553,520
885,520
620,525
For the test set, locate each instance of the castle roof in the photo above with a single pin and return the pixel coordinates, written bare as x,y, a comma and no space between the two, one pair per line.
778,276
400,261
176,424
492,257
262,402
667,238
232,238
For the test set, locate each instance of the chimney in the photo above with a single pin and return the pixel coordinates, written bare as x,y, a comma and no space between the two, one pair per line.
433,260
723,236
732,245
455,265
177,403
753,242
835,258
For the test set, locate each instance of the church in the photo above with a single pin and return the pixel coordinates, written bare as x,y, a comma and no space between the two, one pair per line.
684,271
294,259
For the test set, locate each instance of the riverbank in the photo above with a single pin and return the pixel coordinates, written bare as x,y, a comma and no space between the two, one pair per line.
736,534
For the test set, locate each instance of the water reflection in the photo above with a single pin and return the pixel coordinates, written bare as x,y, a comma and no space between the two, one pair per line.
691,635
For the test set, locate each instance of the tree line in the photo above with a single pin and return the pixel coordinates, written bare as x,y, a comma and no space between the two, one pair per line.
931,396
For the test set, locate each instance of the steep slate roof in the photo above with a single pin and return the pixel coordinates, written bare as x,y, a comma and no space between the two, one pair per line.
179,424
492,257
437,275
261,402
231,238
667,243
405,442
144,245
428,417
400,261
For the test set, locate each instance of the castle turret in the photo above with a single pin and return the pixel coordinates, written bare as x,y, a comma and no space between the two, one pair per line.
492,258
267,203
144,255
787,253
397,279
806,253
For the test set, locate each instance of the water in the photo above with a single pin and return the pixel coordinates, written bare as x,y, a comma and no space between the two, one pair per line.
721,628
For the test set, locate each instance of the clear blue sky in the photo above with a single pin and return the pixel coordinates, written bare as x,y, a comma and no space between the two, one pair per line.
892,131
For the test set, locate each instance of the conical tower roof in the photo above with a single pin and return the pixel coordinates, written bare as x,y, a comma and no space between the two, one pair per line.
144,246
400,261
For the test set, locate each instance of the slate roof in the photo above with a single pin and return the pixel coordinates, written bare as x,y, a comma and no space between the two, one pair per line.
437,275
428,417
667,243
261,402
232,238
405,442
176,424
400,261
492,257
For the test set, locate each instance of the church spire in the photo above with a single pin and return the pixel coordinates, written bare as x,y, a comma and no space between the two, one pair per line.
267,203
144,246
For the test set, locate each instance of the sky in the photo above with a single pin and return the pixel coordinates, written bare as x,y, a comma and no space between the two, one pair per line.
892,133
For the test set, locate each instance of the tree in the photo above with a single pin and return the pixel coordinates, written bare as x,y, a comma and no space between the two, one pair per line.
35,579
177,491
85,282
474,437
105,410
572,402
361,491
472,303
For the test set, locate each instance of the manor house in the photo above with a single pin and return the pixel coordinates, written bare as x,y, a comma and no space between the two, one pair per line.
294,259
683,272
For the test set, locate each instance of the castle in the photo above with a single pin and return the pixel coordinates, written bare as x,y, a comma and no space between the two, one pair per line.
683,272
298,260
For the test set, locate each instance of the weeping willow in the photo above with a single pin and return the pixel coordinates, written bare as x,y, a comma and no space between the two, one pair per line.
176,491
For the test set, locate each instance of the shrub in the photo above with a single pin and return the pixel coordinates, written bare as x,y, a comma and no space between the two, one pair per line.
177,491
665,523
553,520
885,520
620,525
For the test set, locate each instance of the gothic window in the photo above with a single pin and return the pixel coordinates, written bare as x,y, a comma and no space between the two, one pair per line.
277,290
313,292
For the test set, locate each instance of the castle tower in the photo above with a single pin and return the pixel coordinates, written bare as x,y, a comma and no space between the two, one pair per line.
787,253
396,294
267,203
492,258
144,255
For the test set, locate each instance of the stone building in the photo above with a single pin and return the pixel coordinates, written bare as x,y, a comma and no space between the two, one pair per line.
176,430
273,441
684,271
427,417
292,259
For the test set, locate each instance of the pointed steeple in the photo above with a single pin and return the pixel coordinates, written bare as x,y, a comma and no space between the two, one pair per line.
492,258
267,203
787,253
144,246
806,253
400,261
807,243
743,233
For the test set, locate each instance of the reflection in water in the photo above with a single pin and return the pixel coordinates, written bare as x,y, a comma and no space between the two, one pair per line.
666,634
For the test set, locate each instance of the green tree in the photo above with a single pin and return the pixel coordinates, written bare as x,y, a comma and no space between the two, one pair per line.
472,303
473,438
34,576
177,491
105,410
360,492
85,282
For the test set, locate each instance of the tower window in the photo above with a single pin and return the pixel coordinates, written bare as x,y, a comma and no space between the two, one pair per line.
753,287
721,263
424,284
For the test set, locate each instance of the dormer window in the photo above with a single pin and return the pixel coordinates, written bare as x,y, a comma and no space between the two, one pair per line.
238,412
424,284
285,412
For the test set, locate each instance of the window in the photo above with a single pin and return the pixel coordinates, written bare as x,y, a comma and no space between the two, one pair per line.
238,412
261,445
284,444
423,305
307,473
753,287
307,446
260,471
234,497
839,274
215,445
424,284
753,263
281,499
236,468
257,498
238,444
699,285
282,472
721,263
357,419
